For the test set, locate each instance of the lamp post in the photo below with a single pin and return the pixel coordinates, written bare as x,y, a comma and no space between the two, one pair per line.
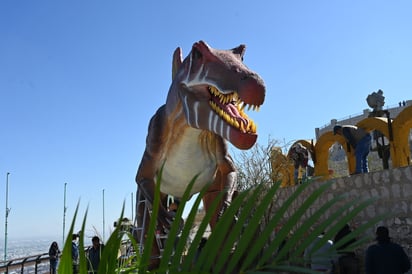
7,215
64,211
103,217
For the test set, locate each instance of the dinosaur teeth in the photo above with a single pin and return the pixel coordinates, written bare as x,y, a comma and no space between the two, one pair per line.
242,127
232,98
224,98
250,127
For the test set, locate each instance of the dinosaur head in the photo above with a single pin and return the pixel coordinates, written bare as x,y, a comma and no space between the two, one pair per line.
214,88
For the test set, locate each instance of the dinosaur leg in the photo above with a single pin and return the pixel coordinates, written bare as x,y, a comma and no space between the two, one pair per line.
223,182
147,187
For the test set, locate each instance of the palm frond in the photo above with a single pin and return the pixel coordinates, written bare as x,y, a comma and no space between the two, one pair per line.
65,265
148,245
82,254
250,243
169,251
109,257
192,262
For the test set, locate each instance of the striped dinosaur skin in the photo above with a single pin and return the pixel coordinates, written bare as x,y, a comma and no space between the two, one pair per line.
204,109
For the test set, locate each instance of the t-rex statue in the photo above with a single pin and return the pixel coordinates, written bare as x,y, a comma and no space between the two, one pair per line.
204,107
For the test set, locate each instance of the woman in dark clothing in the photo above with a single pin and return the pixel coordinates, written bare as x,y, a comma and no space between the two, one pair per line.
385,256
54,254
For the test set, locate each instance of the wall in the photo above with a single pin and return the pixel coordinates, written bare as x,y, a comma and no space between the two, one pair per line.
393,190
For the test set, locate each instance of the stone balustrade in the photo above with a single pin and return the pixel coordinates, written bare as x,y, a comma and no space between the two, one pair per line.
392,189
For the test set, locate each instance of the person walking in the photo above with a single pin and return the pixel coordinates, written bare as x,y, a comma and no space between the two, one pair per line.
54,253
386,257
360,140
75,254
94,254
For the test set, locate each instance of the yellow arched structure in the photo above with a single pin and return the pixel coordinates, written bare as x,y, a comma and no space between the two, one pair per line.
399,147
375,123
380,124
282,166
322,153
401,128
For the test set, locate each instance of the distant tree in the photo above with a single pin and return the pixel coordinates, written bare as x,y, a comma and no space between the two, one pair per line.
255,168
263,165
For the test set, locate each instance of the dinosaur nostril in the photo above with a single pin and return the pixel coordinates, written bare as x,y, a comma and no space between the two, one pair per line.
244,78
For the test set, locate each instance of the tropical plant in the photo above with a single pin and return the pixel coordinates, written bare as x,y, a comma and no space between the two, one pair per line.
244,246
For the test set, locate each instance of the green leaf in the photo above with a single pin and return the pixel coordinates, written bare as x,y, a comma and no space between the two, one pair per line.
191,262
109,258
65,265
262,240
82,255
244,246
167,257
149,241
251,215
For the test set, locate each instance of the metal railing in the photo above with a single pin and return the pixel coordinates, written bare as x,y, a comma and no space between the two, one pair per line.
31,264
40,263
360,114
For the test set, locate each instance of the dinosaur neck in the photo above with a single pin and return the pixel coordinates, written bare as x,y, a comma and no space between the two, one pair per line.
173,102
177,127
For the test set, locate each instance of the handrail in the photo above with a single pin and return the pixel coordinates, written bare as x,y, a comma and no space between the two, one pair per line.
391,107
36,260
23,262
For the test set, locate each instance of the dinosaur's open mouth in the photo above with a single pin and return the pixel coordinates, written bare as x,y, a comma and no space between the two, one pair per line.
230,108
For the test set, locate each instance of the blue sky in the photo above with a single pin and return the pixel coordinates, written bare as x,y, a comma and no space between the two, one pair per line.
79,81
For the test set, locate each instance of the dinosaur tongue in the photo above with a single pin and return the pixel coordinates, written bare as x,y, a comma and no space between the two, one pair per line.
239,137
234,112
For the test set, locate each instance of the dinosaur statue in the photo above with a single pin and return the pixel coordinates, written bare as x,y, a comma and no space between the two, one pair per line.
204,107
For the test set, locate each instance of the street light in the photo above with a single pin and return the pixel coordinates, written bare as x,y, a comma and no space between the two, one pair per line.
103,218
7,215
64,211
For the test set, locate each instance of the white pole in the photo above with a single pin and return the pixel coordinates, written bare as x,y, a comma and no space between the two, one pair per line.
7,215
64,212
103,218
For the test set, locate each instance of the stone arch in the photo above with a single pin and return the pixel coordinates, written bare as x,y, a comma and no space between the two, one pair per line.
401,130
322,153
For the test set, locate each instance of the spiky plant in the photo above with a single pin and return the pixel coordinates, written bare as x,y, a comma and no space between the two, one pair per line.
243,246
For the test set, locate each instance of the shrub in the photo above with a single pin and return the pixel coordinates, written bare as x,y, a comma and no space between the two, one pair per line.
243,246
